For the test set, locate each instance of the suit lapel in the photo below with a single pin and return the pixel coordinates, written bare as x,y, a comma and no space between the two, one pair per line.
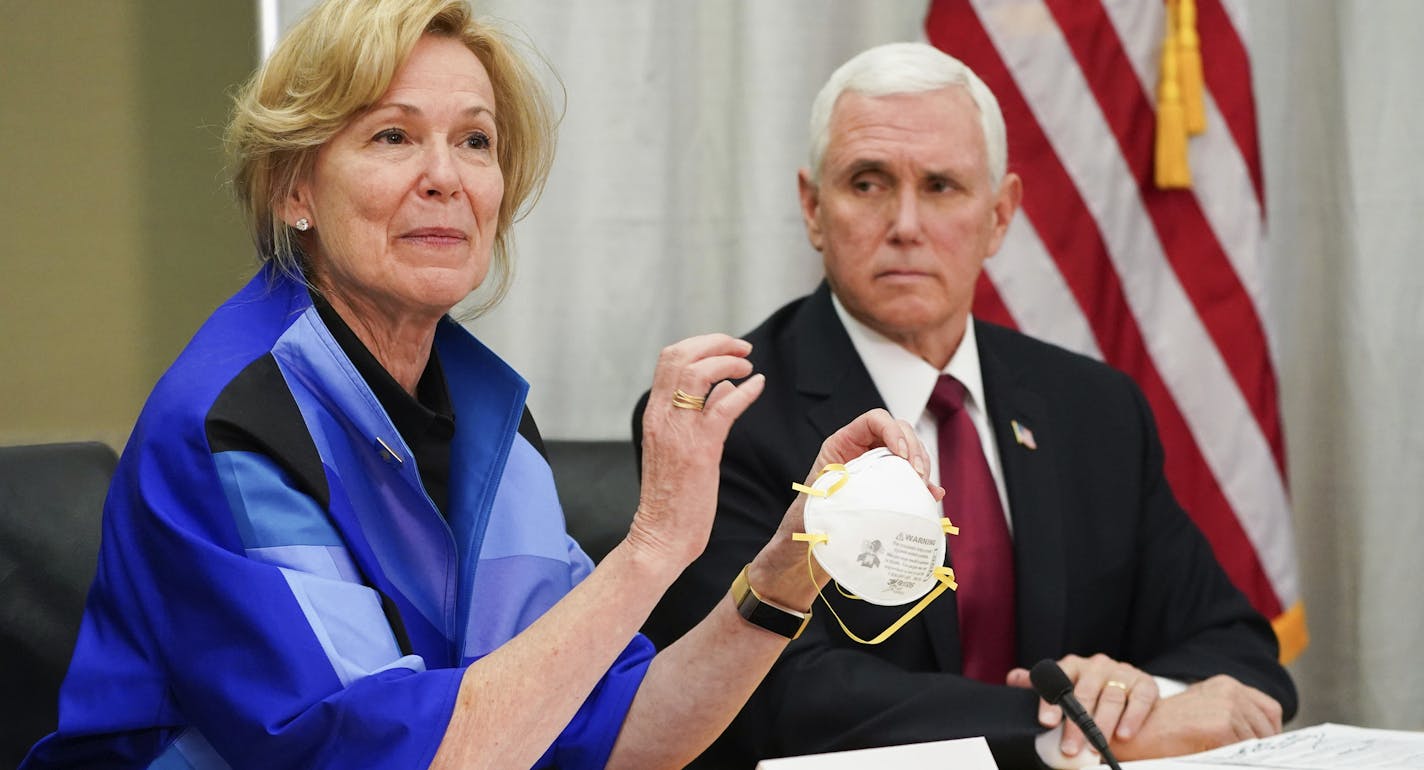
829,374
1030,479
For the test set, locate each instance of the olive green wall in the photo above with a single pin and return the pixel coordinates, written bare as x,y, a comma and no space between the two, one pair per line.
117,231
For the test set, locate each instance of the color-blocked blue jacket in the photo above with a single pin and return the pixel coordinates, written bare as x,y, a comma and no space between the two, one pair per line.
276,589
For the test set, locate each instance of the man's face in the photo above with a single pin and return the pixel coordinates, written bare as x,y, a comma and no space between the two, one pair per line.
905,213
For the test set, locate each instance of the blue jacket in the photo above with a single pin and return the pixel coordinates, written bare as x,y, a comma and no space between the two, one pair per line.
276,589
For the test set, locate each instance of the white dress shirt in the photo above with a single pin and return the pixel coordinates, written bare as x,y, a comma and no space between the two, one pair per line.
905,381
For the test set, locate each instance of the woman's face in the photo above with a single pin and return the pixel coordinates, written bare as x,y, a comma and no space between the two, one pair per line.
405,199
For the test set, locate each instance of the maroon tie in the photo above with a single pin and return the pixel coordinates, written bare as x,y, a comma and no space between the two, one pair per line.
981,554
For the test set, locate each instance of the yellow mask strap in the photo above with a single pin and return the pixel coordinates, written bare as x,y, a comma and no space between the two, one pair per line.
945,575
835,486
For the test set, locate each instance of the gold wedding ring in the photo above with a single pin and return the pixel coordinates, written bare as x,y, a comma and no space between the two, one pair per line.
1117,684
683,400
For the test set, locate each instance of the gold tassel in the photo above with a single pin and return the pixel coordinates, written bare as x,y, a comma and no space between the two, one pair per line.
1171,170
1189,46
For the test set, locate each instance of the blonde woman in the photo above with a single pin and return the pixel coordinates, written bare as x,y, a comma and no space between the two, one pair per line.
333,540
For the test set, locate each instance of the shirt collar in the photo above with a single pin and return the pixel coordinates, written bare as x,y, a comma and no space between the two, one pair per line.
904,380
429,409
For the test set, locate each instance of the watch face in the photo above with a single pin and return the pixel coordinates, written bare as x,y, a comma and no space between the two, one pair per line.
757,612
775,620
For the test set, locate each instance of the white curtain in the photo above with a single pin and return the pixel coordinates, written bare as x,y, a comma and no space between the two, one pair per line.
672,211
672,207
1341,116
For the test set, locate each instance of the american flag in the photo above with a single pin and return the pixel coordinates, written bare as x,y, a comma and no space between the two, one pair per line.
1166,285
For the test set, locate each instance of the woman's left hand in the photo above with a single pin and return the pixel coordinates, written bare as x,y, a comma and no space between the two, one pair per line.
682,445
779,570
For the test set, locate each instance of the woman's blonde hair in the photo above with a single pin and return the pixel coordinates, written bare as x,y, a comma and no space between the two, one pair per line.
335,63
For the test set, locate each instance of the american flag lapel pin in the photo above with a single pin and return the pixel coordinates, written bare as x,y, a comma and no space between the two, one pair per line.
1023,435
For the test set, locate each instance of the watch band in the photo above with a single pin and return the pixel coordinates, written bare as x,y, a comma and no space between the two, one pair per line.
759,612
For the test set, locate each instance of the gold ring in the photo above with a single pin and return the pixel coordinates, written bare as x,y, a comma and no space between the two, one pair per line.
683,400
1117,684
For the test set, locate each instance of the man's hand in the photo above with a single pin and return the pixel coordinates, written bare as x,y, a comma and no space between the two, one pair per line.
1210,713
1118,695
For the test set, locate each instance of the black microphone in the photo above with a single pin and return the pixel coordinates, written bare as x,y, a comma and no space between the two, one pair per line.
1054,686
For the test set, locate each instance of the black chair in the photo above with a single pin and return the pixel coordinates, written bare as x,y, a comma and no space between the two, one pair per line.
598,487
51,500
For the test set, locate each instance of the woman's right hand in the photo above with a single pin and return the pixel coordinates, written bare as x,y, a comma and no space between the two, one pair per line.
682,448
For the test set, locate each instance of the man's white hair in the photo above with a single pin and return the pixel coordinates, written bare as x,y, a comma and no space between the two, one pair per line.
907,68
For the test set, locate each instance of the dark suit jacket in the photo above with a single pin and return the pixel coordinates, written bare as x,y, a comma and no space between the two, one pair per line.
1106,559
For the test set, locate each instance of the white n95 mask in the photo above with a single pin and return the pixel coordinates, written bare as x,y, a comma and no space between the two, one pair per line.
878,532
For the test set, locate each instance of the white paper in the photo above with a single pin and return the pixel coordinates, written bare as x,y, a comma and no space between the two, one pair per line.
1332,746
962,754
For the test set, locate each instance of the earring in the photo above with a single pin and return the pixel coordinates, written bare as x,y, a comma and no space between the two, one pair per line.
303,224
